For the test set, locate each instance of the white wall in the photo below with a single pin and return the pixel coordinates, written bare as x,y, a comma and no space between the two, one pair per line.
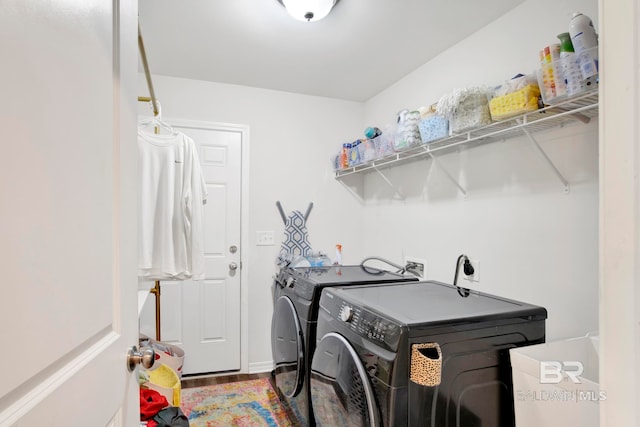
534,242
292,138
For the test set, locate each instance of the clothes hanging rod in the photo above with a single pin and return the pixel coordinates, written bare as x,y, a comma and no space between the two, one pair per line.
147,74
154,102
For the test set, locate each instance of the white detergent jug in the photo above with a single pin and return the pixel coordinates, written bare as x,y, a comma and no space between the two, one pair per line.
585,44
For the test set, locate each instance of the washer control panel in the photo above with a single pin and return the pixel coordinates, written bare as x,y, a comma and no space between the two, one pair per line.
371,326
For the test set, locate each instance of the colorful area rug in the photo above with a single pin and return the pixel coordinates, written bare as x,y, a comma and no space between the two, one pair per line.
250,403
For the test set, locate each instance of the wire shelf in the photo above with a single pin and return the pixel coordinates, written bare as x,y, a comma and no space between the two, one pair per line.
580,109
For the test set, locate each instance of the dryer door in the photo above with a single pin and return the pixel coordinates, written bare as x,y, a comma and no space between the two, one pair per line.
288,347
341,394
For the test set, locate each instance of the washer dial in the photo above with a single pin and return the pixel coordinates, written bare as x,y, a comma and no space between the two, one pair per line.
346,314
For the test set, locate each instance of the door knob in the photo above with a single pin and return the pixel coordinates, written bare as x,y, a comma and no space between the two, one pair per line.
233,266
145,357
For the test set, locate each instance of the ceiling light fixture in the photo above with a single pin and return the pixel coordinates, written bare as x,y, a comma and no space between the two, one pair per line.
308,10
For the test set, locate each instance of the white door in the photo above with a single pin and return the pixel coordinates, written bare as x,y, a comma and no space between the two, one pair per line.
203,317
68,212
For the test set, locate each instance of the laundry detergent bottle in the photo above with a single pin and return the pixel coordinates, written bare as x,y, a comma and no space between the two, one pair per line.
585,44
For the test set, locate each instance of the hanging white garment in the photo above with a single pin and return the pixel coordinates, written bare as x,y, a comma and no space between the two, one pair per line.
172,192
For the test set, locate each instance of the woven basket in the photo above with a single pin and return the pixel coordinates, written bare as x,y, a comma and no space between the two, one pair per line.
426,364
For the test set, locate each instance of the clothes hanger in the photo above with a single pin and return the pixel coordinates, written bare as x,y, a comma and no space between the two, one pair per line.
155,124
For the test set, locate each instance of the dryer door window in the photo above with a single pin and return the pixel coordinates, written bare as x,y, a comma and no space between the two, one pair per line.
288,348
341,394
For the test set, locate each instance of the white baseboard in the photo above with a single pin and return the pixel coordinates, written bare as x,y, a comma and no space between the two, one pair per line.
259,367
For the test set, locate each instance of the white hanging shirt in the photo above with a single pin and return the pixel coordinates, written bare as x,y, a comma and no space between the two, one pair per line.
172,193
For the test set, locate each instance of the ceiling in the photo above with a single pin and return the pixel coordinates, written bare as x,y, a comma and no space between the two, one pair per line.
360,49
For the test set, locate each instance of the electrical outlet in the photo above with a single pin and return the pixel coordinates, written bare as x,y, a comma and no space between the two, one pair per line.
265,238
475,277
416,266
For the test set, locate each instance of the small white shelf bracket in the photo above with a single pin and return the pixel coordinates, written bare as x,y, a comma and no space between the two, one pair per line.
446,172
384,177
544,156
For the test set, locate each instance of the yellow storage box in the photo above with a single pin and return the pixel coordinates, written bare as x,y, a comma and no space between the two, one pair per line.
514,103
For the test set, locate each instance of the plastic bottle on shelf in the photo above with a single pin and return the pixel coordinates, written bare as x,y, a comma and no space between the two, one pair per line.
338,258
585,43
569,67
344,156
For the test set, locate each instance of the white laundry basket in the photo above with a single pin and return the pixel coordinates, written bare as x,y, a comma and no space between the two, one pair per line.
166,354
556,384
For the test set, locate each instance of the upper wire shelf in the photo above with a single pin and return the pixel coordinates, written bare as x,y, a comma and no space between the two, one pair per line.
579,109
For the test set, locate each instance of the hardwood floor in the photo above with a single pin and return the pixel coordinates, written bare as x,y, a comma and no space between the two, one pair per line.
201,381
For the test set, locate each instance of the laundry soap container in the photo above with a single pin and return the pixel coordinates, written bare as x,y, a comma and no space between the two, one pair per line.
555,384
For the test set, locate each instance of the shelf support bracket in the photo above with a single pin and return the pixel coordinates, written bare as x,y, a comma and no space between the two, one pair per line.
352,191
544,156
384,177
446,172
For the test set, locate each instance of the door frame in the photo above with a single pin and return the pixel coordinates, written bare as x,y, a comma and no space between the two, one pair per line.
244,222
619,242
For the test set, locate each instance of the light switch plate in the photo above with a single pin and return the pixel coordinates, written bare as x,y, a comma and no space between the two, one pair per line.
265,238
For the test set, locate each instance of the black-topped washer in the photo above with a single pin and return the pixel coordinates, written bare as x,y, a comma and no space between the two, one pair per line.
293,328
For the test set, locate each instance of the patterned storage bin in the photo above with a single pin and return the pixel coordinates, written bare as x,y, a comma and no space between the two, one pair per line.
561,79
354,154
466,109
433,127
407,133
472,113
383,145
367,150
426,364
335,162
342,162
